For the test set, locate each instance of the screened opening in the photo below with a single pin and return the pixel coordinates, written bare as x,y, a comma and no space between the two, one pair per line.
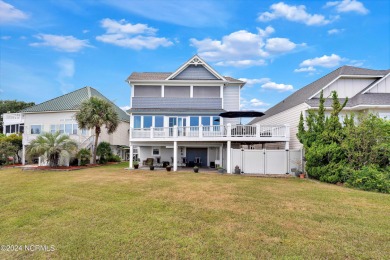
147,91
206,92
177,91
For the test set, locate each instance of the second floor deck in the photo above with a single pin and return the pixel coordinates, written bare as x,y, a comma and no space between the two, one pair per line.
259,133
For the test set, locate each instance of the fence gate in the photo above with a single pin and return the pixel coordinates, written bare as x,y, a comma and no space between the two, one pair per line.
265,161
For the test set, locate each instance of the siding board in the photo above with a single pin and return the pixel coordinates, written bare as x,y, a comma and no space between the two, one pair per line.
291,117
231,102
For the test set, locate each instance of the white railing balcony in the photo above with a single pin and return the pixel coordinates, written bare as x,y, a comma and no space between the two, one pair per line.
219,132
13,118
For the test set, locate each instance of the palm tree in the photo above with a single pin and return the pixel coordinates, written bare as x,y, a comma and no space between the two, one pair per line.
94,113
52,144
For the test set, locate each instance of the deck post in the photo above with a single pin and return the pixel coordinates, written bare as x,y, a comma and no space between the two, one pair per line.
257,130
229,129
23,154
175,156
131,156
228,157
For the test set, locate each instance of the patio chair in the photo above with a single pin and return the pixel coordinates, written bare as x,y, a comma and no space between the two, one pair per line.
148,162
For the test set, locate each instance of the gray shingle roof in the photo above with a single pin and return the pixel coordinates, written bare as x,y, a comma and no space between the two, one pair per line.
163,75
149,76
175,111
72,102
302,95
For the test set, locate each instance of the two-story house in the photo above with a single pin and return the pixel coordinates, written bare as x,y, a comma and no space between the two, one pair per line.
368,91
58,114
175,117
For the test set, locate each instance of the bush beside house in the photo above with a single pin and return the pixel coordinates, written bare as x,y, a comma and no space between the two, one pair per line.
357,154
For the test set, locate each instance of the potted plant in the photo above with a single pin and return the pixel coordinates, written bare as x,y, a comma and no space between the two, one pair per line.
196,169
135,164
151,167
237,169
221,169
168,167
298,171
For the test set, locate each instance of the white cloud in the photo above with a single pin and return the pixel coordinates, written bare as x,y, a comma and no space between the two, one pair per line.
293,13
276,86
266,83
324,61
267,32
61,42
66,67
241,63
5,37
66,72
257,103
238,45
125,108
133,36
122,26
348,6
251,82
190,13
253,104
10,14
243,48
356,63
305,69
278,45
85,31
335,31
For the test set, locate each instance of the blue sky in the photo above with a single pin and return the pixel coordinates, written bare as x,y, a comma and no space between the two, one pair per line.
52,47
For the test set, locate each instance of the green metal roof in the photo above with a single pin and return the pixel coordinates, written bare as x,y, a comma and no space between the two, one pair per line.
72,101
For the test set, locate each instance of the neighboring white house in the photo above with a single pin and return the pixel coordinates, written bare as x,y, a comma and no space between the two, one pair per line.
58,115
13,123
368,91
174,117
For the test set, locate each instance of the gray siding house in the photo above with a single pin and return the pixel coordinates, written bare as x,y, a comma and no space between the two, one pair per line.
174,117
368,91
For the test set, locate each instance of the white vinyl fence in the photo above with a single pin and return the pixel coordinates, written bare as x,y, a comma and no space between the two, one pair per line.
266,161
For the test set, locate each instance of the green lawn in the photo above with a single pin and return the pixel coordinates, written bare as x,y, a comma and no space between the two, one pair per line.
108,212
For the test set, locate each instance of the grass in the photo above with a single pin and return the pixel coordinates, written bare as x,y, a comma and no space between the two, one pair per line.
108,212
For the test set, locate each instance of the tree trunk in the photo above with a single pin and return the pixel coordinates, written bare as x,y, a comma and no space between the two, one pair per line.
97,132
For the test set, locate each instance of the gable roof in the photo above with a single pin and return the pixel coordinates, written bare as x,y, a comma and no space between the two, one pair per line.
194,69
158,76
72,101
302,95
196,61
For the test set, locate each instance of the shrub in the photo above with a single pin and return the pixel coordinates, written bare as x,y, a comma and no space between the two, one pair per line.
114,158
73,162
84,155
104,152
370,178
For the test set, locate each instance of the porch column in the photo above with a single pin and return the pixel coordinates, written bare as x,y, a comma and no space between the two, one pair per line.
175,156
131,156
220,156
23,154
228,163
